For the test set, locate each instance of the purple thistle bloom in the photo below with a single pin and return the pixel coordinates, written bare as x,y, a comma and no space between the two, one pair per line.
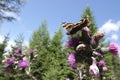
73,41
31,51
23,63
72,60
86,30
101,63
18,50
113,48
94,71
10,61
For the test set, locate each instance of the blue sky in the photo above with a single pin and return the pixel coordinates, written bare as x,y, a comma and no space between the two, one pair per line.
106,13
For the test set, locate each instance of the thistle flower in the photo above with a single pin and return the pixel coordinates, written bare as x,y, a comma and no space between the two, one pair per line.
23,63
10,61
72,60
73,42
101,63
18,50
86,30
31,51
86,35
94,71
31,54
105,69
99,35
81,47
113,48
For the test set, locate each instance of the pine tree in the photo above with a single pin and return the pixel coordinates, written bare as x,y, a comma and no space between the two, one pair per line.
11,6
116,67
57,60
40,44
2,48
40,37
3,45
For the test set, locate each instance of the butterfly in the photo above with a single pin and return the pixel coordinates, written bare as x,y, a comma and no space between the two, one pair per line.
73,28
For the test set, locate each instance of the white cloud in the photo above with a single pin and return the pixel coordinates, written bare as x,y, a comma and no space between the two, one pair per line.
111,30
110,26
114,37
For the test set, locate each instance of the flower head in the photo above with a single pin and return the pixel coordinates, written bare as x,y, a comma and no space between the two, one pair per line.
86,30
113,48
99,35
23,63
105,69
18,50
10,61
72,60
73,41
31,51
101,63
81,47
93,70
